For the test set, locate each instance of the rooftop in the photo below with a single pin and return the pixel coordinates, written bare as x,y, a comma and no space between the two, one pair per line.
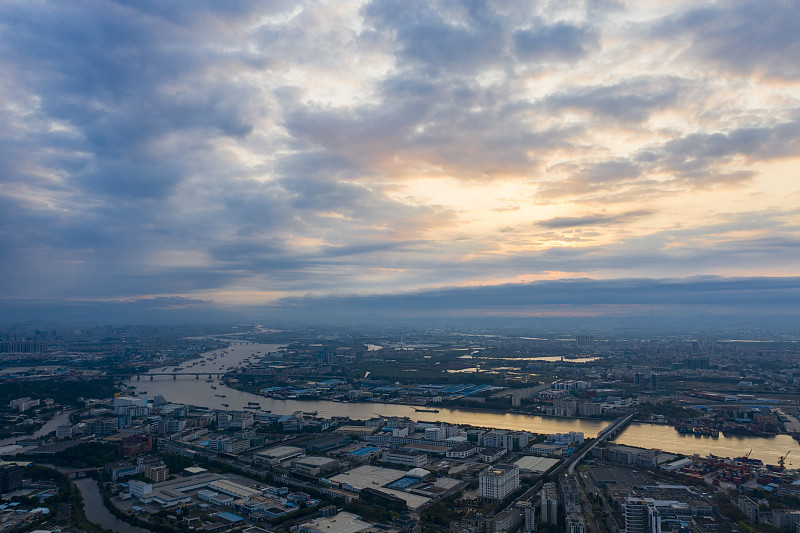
341,523
280,451
536,464
368,476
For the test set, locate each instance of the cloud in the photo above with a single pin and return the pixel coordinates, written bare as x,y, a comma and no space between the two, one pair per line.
626,297
558,42
593,220
631,101
748,37
703,150
201,149
161,311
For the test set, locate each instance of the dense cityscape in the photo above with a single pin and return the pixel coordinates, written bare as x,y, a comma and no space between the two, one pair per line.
344,430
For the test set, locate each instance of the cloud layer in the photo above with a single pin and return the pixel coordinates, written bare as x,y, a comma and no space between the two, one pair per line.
244,152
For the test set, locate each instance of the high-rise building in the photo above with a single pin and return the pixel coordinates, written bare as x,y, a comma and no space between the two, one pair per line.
636,515
646,515
574,519
529,514
10,478
548,513
655,381
570,490
748,507
23,347
700,363
497,482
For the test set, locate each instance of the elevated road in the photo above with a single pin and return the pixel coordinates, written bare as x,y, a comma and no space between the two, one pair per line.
611,430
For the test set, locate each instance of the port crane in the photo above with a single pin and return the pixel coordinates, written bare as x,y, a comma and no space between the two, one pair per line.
782,459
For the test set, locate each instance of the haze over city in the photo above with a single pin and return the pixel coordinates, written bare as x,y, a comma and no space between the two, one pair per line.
371,158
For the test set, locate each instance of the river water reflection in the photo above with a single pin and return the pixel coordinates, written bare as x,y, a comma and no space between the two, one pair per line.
189,390
666,438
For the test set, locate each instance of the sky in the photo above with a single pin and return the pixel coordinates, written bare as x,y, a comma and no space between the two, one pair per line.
257,154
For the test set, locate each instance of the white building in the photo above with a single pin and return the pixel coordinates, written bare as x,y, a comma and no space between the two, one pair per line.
573,438
413,460
435,433
23,404
509,440
462,452
67,432
140,489
546,450
131,407
497,482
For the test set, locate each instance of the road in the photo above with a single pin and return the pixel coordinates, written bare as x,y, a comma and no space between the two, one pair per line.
586,505
573,461
570,463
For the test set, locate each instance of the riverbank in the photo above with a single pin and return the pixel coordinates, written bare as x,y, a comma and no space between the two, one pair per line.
187,390
97,512
234,383
427,408
58,419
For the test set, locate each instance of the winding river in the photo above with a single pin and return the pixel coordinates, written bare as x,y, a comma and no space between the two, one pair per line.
96,512
189,390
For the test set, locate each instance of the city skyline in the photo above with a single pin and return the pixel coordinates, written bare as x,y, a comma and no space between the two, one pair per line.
256,156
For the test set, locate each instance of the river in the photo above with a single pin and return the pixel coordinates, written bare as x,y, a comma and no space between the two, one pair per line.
60,419
96,512
188,390
768,449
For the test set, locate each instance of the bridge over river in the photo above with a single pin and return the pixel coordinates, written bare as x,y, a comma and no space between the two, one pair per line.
174,375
